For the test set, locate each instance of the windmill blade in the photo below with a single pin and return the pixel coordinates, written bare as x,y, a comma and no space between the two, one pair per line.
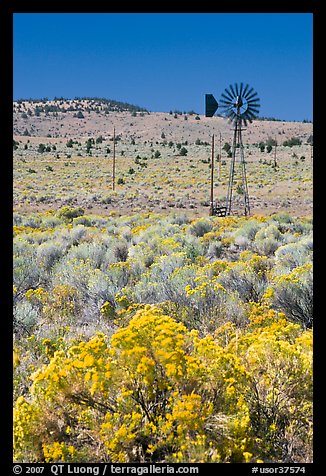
254,102
245,90
232,119
224,96
231,114
249,119
245,121
227,111
241,88
226,102
253,95
253,109
251,112
236,89
226,107
250,116
232,90
253,106
228,94
248,93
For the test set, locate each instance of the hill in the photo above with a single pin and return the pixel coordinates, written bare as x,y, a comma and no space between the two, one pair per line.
63,152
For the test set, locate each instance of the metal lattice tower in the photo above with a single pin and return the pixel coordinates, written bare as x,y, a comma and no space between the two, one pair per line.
240,105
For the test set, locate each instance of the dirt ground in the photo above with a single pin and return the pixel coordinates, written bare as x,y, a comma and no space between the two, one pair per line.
151,172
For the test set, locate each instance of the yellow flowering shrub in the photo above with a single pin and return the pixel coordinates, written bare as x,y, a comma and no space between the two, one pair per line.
56,452
107,310
26,229
36,296
137,230
157,391
62,302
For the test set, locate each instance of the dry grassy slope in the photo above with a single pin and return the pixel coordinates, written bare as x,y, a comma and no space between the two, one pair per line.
148,127
168,182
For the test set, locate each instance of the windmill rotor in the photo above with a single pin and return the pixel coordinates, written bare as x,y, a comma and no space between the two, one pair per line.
240,104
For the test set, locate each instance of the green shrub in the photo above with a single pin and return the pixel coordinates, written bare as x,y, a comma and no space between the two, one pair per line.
69,213
291,142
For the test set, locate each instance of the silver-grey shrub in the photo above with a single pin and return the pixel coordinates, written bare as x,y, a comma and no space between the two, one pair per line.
200,227
242,280
94,252
178,219
51,222
17,219
26,272
267,240
25,317
215,249
295,297
154,285
48,254
248,230
78,233
291,255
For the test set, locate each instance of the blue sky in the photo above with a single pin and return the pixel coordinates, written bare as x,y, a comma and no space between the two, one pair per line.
167,61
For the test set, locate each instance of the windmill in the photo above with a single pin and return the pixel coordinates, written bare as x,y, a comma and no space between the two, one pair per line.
240,105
